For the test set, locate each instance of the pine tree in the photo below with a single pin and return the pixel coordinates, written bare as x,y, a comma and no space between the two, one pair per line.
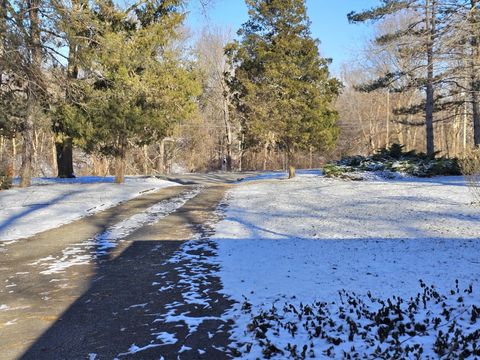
138,86
281,84
464,50
422,36
474,44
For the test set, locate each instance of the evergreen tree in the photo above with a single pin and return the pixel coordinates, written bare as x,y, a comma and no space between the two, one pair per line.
463,51
138,86
281,84
420,36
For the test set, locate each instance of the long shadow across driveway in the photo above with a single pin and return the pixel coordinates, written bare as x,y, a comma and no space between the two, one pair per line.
155,296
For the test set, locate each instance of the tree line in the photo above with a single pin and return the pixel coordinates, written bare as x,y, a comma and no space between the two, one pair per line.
107,81
417,82
102,88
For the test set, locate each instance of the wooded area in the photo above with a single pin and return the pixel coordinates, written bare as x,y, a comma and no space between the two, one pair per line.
92,87
417,82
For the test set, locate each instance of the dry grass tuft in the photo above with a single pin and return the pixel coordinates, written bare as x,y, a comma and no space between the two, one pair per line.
471,169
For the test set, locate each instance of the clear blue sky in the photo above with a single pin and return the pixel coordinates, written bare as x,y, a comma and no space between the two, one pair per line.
339,39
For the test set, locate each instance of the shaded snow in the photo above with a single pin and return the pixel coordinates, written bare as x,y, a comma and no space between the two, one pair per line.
166,338
136,349
50,203
193,272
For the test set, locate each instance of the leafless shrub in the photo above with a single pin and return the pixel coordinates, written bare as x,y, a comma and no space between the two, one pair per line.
5,176
471,169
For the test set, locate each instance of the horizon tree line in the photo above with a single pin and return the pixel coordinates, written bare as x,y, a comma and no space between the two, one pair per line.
111,79
123,90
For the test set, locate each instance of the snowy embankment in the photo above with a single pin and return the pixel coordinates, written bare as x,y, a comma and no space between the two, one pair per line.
301,242
49,203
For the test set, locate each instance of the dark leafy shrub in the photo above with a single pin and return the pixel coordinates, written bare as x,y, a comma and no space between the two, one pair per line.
395,159
428,325
332,170
352,160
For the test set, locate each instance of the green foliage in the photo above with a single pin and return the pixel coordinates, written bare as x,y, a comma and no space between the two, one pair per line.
395,152
395,160
332,170
387,7
138,85
282,86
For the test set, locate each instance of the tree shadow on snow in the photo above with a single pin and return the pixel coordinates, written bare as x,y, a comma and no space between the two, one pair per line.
35,207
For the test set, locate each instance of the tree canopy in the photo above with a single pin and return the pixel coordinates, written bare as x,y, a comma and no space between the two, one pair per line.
281,84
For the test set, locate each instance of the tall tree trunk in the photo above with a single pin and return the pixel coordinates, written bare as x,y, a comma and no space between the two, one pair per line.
8,155
310,163
54,155
161,158
290,166
228,134
64,157
429,108
240,149
476,118
64,147
465,125
32,92
11,155
27,145
146,160
64,143
120,169
120,164
265,156
474,68
3,31
387,137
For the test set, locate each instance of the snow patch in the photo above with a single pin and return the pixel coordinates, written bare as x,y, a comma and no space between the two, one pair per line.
136,349
49,203
166,338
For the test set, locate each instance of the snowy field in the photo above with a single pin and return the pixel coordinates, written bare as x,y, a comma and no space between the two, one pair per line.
306,239
52,202
318,267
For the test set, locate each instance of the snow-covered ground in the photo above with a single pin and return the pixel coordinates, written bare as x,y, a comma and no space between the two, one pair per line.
307,260
271,175
306,239
51,202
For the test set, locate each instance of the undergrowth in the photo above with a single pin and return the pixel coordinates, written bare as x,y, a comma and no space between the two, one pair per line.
392,160
428,326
